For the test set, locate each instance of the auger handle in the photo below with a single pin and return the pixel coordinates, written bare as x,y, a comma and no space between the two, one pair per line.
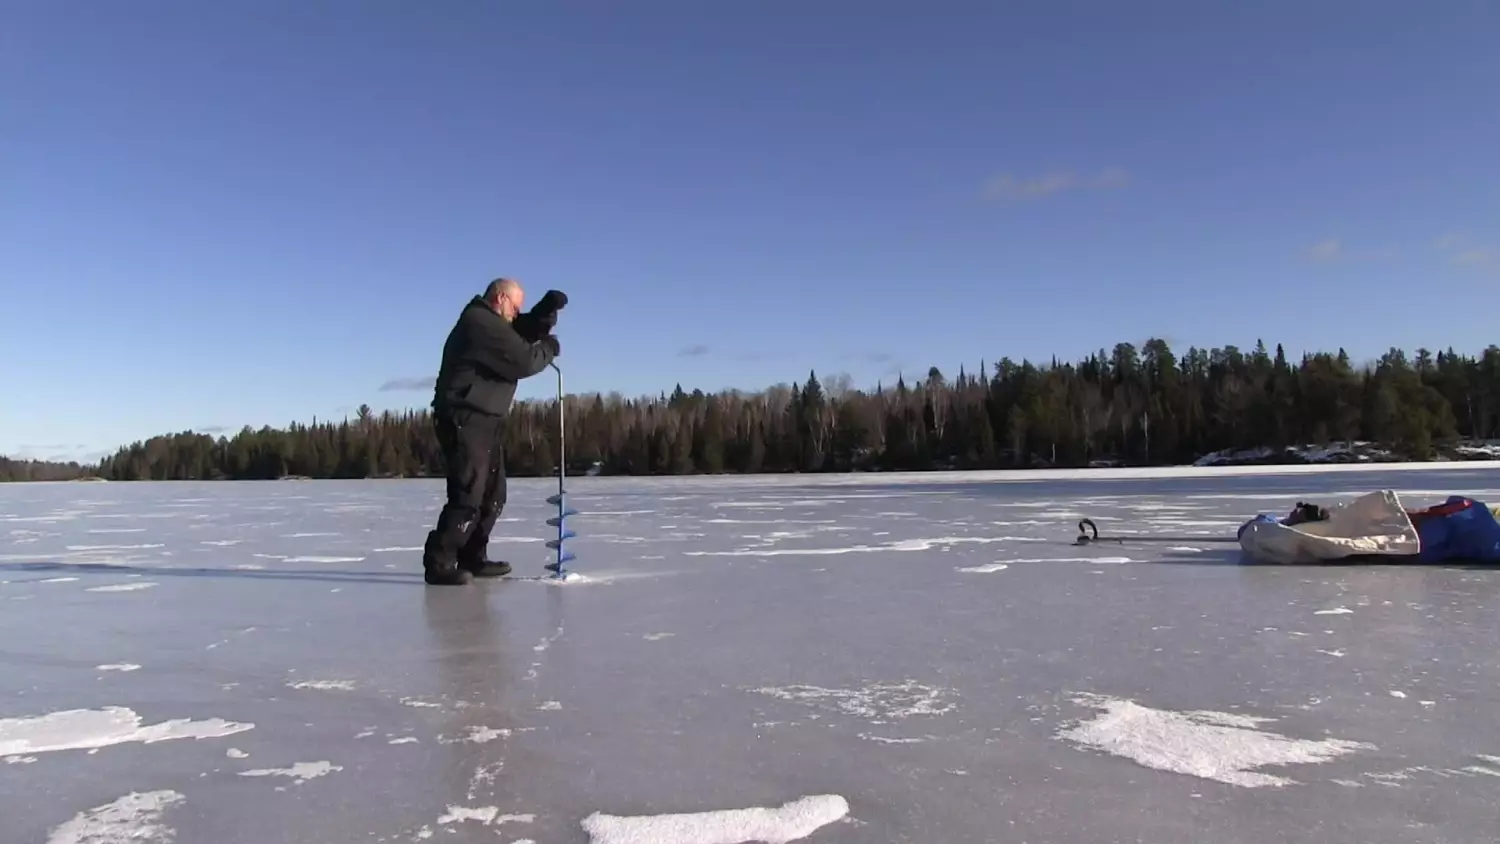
1084,528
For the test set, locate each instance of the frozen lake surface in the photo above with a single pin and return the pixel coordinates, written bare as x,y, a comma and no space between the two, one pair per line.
845,659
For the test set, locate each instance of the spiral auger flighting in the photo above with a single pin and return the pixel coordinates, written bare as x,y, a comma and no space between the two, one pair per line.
558,567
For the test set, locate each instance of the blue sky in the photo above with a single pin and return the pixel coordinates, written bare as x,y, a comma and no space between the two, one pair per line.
233,213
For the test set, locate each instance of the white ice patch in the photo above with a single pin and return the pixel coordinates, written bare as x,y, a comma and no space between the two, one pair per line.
118,666
236,753
395,549
790,822
1334,611
1100,560
323,685
322,559
58,580
83,729
487,815
889,740
122,587
299,773
899,546
478,735
134,817
657,637
114,547
1219,746
222,543
987,568
880,703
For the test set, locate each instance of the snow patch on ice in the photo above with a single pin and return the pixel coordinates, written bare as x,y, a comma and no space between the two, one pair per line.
134,817
122,587
299,773
1219,746
1334,611
322,559
478,735
236,753
880,703
1102,560
118,666
58,580
323,685
888,740
987,568
82,729
790,822
487,815
898,546
396,549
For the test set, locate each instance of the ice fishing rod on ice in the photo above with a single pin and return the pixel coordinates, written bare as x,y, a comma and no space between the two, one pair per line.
1088,534
560,521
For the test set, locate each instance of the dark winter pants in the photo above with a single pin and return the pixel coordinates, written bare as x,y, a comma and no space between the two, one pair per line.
473,448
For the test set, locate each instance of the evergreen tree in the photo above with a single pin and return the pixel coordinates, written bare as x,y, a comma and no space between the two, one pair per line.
1123,405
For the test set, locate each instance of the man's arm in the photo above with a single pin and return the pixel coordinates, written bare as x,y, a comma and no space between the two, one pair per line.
534,326
500,349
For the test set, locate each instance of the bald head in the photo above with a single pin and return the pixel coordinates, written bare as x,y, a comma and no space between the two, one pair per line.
505,296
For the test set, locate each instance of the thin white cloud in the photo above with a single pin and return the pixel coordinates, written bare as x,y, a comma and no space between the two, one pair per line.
1010,186
1463,251
1475,257
1334,250
1326,250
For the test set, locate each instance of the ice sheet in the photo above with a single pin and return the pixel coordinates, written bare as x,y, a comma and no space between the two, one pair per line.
923,657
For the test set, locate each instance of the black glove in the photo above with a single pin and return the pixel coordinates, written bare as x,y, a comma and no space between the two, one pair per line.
550,342
543,315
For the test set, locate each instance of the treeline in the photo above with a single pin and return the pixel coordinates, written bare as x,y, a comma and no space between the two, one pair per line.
1126,406
41,470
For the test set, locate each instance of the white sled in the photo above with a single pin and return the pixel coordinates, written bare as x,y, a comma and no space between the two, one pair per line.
1372,525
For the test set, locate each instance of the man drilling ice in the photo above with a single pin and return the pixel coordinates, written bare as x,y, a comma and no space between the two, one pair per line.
490,349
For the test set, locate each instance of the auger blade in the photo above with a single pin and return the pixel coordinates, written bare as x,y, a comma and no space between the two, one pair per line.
558,498
555,544
556,521
556,565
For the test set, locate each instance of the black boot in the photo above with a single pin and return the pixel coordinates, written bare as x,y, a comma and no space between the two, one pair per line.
486,568
445,575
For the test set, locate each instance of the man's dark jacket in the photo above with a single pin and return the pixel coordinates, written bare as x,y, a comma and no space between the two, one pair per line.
483,358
